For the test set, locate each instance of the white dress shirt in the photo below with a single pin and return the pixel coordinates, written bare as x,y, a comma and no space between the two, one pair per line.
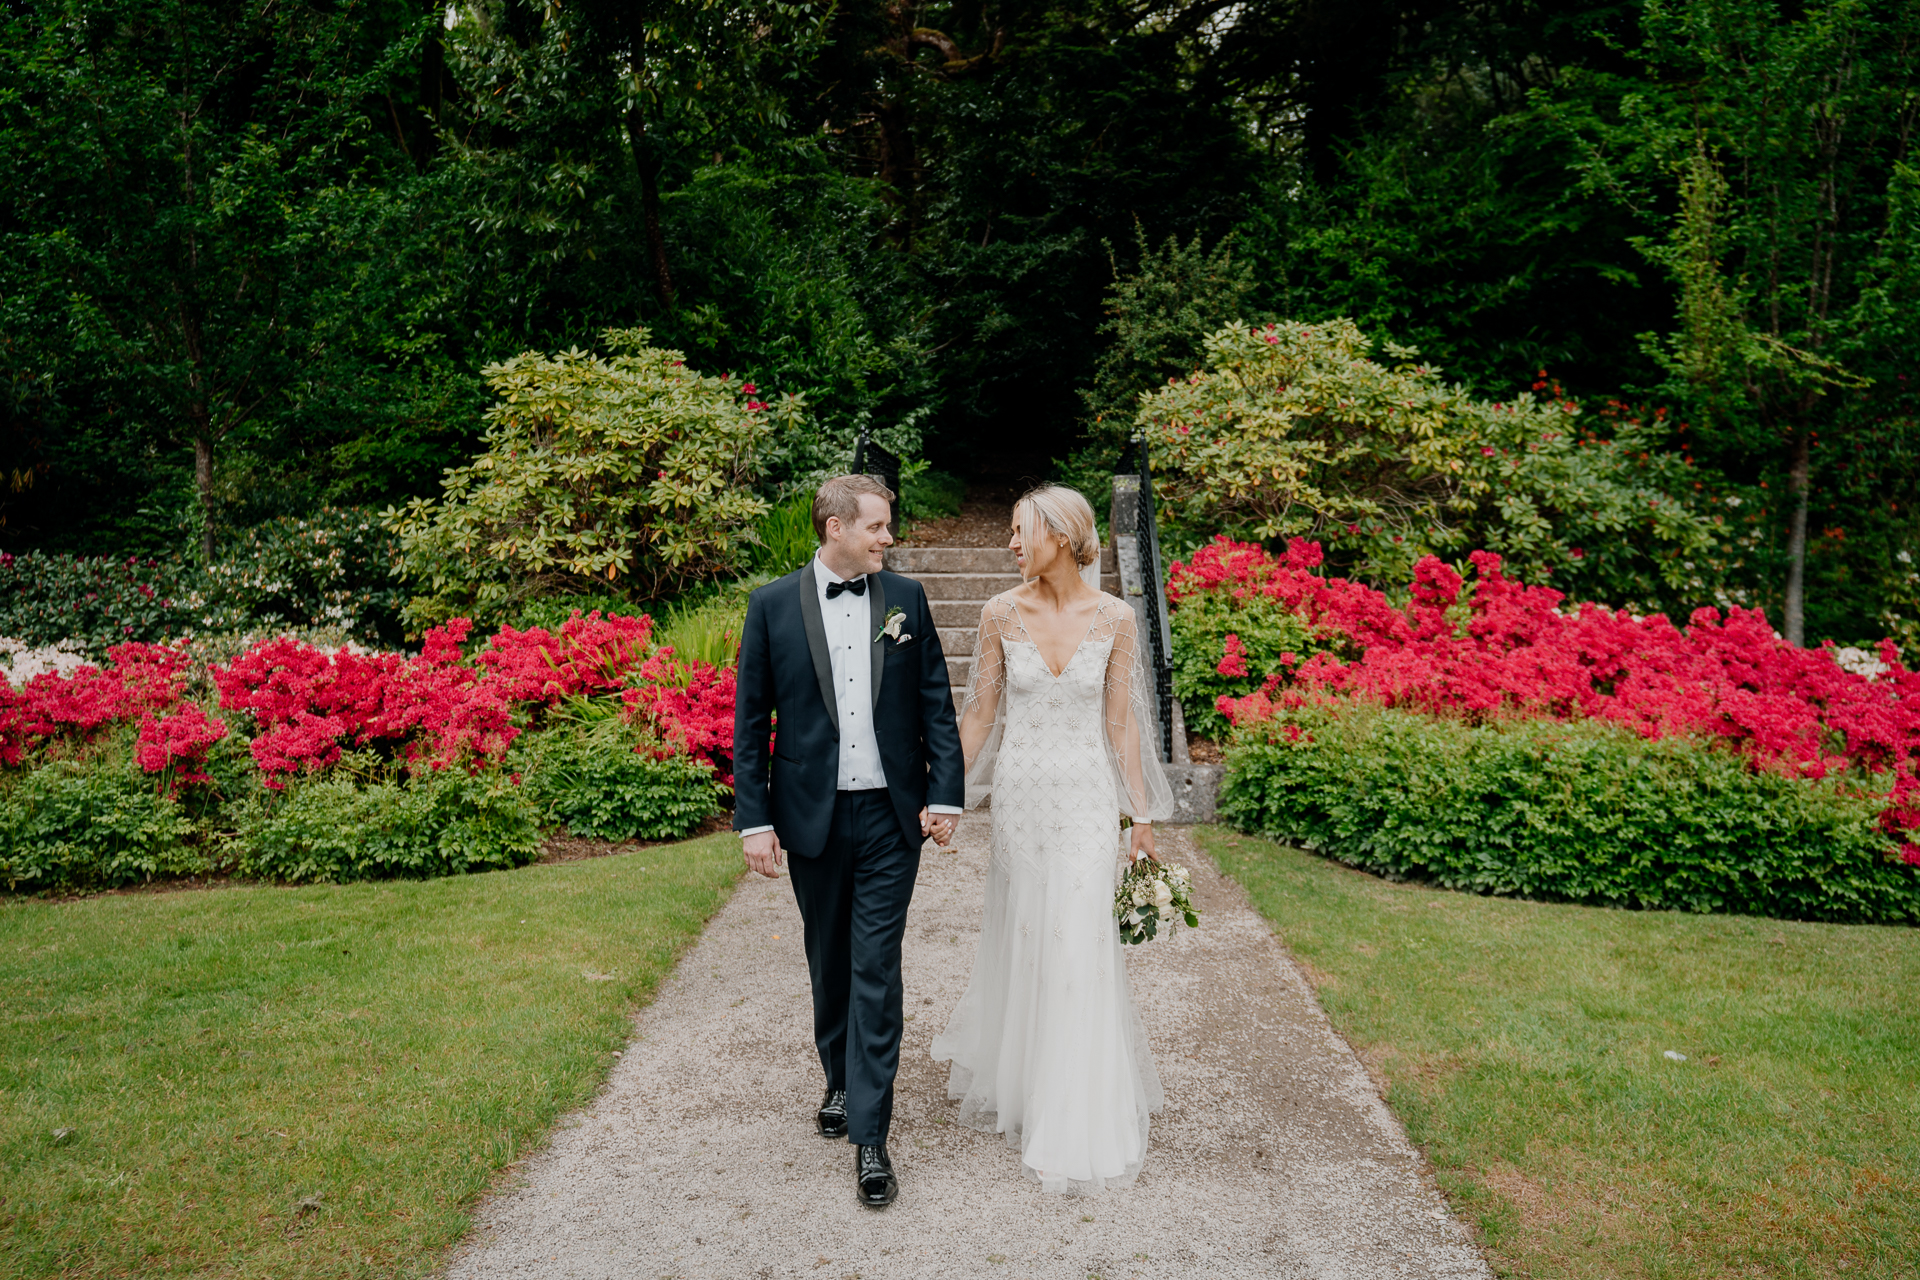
848,620
849,646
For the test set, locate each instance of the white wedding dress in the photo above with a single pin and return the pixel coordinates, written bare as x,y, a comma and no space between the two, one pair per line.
1046,1045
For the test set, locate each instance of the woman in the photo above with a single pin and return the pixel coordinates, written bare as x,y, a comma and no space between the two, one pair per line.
1046,1045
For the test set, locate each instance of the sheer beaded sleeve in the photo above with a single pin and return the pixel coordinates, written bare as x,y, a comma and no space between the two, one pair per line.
982,714
1132,745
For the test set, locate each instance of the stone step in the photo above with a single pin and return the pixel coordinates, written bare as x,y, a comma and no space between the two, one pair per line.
942,587
966,586
918,561
951,612
957,642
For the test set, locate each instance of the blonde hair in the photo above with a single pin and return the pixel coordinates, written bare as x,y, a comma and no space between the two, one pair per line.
1063,513
840,497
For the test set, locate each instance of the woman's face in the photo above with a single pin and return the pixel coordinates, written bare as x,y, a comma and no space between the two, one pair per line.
1034,561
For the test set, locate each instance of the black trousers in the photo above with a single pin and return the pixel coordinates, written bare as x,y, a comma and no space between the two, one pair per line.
853,899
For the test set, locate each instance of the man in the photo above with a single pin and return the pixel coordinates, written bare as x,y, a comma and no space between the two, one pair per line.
864,765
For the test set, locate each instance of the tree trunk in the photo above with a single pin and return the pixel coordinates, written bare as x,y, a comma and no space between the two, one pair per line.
1795,624
647,166
656,243
203,480
899,168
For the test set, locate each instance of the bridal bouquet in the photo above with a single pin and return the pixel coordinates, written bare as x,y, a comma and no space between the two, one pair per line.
1149,891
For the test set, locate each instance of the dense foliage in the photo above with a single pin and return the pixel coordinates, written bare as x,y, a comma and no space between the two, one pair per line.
1293,430
292,761
254,260
1570,812
595,469
1483,682
332,570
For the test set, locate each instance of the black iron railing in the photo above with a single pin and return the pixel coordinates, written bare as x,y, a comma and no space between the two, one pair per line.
870,459
1159,633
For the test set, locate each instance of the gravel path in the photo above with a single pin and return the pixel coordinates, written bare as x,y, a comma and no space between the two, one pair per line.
1275,1157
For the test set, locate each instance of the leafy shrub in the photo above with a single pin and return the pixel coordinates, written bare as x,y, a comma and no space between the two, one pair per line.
95,601
629,468
337,828
1294,430
708,631
1225,646
785,539
550,613
334,568
1503,649
1570,812
71,826
929,495
600,776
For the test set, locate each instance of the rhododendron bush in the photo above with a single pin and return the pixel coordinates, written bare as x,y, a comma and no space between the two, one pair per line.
628,472
1298,430
1497,652
298,712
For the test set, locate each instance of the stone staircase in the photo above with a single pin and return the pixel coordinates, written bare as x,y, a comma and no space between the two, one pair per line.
958,581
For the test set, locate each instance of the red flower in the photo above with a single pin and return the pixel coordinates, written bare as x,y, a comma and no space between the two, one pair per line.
1235,661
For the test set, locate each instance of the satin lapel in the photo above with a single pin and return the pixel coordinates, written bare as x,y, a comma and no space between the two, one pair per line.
877,614
816,629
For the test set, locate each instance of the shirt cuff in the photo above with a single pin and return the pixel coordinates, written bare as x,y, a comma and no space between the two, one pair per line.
944,808
753,831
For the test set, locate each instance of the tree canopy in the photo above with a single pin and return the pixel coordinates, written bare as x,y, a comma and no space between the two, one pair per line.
254,258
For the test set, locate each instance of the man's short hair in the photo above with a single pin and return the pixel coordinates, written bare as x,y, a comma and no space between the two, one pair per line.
840,497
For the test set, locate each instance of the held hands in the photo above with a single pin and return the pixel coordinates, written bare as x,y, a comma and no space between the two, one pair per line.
764,853
940,826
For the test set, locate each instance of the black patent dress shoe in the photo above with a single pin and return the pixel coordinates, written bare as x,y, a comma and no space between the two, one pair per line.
833,1114
873,1174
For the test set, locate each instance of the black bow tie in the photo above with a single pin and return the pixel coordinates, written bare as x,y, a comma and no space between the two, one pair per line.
856,585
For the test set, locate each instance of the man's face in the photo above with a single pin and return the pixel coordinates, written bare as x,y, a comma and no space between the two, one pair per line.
860,548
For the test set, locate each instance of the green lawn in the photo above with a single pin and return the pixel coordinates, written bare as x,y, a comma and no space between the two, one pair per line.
1524,1048
312,1082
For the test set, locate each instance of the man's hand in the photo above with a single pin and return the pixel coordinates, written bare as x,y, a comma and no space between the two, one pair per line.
940,826
764,853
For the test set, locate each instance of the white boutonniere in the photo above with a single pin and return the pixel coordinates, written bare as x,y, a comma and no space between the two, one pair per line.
895,617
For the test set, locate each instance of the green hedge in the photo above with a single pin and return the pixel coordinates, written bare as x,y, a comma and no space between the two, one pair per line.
1568,812
589,778
66,827
335,828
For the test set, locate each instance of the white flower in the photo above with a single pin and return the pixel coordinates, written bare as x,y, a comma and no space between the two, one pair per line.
1162,896
895,617
1140,896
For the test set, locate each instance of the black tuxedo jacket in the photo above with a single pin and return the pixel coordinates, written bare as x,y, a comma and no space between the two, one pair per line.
784,669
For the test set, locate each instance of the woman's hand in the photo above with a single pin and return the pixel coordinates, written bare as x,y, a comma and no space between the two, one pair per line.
1142,841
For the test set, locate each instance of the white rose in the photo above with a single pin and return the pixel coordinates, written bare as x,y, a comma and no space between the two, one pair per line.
1140,896
1161,894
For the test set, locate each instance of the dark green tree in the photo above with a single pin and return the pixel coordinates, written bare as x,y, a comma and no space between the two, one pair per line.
174,173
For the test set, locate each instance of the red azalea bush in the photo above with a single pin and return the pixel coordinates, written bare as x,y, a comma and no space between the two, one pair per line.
1502,649
179,740
307,705
690,705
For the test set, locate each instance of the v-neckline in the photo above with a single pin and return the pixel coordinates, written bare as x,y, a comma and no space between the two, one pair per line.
1080,644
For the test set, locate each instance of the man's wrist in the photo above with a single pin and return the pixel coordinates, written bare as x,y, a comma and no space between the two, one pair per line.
754,831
